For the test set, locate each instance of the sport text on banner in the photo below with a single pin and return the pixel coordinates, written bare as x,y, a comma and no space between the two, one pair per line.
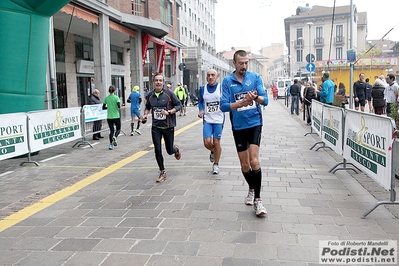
368,145
317,117
332,127
13,135
53,127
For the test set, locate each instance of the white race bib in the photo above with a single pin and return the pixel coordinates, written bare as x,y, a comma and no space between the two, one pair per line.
239,97
158,114
212,107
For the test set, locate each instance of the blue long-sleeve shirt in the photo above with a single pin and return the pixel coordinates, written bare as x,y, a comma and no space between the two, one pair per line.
233,90
327,93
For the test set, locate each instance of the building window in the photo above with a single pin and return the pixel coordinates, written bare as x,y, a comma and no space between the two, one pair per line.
59,45
339,33
299,33
319,54
338,52
136,7
166,11
299,55
319,35
83,48
116,55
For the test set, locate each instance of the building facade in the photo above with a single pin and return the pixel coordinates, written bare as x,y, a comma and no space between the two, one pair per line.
98,43
309,31
197,35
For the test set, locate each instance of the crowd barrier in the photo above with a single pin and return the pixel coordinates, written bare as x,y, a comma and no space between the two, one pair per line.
365,141
27,133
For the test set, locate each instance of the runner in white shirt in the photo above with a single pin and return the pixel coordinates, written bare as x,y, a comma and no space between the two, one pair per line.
209,111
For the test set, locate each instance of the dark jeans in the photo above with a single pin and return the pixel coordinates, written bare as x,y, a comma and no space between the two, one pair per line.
295,104
168,136
96,128
111,123
308,107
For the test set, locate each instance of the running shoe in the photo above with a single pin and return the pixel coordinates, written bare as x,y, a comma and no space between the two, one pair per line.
215,169
178,153
131,133
249,200
212,157
260,210
138,131
114,142
161,177
111,147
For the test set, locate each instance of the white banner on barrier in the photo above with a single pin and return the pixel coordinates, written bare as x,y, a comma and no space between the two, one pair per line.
317,116
368,145
94,112
13,135
53,127
332,128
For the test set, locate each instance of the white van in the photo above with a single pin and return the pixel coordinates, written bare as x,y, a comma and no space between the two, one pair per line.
282,85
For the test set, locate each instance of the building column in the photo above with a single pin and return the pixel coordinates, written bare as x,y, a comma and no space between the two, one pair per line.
136,62
102,54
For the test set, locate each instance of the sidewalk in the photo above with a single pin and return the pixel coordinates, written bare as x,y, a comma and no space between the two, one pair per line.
120,216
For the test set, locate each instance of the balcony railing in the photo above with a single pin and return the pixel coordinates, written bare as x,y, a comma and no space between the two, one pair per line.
339,41
319,41
299,43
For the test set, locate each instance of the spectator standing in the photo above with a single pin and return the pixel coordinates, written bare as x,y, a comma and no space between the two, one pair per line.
368,94
242,95
391,92
163,105
326,90
97,125
213,117
309,95
295,91
275,92
112,104
377,96
341,89
360,92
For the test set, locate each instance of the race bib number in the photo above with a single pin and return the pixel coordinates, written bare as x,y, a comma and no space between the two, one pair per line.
158,114
212,107
239,97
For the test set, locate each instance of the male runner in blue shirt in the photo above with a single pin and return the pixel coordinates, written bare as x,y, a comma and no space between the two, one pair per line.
242,94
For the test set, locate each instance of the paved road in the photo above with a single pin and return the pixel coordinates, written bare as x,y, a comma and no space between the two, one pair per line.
101,207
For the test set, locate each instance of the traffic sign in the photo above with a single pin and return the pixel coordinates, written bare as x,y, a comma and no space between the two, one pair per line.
310,58
310,67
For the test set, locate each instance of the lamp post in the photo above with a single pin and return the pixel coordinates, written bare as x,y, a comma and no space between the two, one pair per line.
310,24
292,53
300,39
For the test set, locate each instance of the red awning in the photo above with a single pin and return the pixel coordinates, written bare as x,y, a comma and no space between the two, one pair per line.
160,45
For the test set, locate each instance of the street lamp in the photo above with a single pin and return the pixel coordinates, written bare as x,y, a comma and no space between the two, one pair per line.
292,53
310,24
300,39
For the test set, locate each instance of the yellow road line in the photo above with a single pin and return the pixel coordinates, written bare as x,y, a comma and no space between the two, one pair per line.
182,130
62,194
23,214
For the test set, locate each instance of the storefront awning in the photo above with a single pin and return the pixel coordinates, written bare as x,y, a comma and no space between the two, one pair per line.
81,13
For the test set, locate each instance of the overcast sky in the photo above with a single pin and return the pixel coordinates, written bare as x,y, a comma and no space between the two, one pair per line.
258,23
